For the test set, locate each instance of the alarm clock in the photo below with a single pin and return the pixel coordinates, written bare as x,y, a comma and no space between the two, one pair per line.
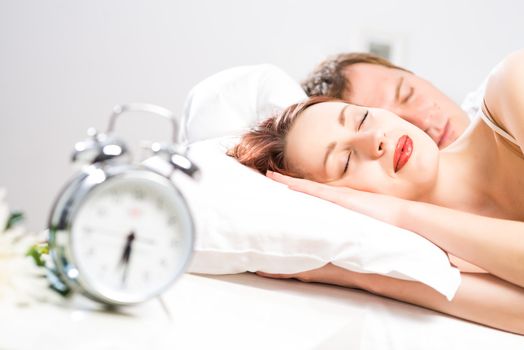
120,232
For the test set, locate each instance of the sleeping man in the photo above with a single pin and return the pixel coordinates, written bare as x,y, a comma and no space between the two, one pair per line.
368,80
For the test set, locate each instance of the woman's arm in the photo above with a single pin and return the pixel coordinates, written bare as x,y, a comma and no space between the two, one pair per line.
481,298
495,245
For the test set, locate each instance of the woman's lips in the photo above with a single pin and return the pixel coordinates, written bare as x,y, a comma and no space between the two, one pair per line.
403,151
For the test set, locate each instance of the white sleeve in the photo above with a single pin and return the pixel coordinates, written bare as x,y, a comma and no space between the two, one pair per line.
473,101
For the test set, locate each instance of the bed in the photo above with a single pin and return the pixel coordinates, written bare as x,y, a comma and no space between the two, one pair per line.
217,304
246,311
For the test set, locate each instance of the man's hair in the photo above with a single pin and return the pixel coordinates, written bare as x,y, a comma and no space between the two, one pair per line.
263,148
328,78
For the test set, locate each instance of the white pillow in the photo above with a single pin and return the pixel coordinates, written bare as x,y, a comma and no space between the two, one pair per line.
247,222
233,100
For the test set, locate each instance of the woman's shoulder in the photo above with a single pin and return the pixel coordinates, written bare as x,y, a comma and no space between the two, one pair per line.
504,91
509,71
513,58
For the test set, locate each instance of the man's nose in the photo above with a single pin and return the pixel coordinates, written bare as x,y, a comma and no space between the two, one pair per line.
423,117
370,143
420,117
420,120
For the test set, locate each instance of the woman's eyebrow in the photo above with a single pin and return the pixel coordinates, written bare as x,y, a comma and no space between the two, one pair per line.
342,116
397,91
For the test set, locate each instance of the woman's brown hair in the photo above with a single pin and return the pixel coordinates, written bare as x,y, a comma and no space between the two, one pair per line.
263,148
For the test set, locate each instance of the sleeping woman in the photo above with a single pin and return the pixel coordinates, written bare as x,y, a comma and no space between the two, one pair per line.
468,198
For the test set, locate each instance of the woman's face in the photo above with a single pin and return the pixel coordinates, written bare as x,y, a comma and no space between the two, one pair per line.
363,148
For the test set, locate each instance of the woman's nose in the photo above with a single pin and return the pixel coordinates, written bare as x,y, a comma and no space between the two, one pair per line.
370,143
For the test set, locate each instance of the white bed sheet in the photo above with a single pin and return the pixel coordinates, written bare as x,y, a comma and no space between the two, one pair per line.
246,312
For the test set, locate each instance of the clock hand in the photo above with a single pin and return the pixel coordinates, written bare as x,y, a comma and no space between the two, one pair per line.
126,255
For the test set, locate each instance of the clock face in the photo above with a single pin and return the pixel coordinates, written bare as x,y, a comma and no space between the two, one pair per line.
131,238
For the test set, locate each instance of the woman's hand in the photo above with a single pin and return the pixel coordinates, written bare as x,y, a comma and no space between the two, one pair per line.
328,273
382,207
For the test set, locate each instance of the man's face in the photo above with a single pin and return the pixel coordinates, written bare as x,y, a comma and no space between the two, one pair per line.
411,97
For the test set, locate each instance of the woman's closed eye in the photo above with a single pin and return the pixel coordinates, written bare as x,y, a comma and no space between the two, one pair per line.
408,96
347,163
364,117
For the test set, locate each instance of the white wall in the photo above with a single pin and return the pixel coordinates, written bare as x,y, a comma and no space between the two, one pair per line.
65,63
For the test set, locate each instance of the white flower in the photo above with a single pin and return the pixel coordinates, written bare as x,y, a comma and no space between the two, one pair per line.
4,209
21,281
